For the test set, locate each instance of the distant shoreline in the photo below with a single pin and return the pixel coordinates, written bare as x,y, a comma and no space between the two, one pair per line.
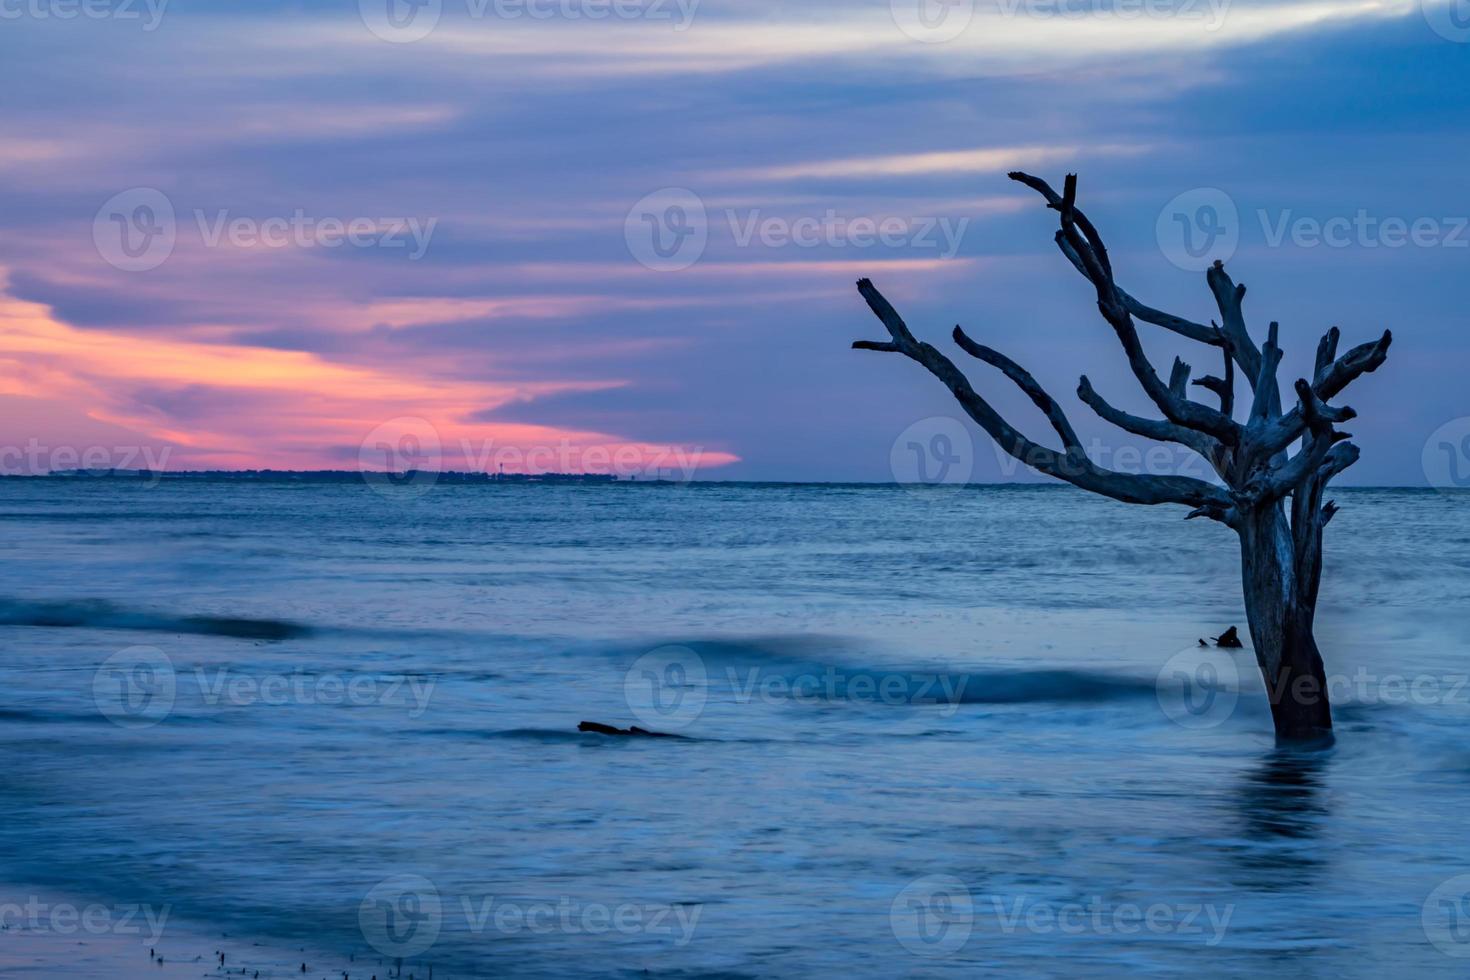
473,478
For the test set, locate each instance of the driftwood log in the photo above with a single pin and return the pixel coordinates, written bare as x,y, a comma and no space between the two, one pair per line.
601,729
1270,496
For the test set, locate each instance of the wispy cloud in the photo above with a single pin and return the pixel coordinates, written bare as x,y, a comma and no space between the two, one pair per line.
981,160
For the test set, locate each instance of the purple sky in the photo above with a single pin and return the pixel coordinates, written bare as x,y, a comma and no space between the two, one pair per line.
540,230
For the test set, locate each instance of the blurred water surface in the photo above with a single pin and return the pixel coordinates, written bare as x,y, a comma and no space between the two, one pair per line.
924,735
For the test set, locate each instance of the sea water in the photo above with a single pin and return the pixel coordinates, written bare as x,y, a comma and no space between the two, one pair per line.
932,731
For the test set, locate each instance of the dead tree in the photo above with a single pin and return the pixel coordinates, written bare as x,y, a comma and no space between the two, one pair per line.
1260,478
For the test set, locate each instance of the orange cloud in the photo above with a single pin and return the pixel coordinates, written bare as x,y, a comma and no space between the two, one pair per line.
239,407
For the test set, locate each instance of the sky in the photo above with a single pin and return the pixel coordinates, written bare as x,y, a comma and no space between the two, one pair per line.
623,234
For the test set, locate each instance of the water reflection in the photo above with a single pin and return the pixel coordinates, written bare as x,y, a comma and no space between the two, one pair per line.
1281,804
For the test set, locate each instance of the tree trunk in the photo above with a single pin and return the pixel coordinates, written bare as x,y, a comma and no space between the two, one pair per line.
1280,609
1281,559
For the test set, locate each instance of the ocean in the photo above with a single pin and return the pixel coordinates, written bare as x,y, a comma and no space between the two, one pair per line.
931,731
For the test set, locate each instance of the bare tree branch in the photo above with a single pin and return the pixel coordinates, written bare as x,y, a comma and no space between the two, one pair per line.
1337,375
1228,297
1362,359
1343,455
1224,387
1156,429
1086,245
1026,383
1326,351
1281,560
1267,401
1074,467
1176,324
1317,414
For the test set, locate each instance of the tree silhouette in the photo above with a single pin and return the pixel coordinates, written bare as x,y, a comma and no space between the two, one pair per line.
1281,552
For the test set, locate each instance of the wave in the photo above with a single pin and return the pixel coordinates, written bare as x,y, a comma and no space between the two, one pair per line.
101,614
34,717
554,736
804,667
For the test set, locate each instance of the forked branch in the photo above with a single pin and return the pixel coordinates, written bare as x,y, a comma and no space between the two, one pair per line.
1251,457
1073,466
